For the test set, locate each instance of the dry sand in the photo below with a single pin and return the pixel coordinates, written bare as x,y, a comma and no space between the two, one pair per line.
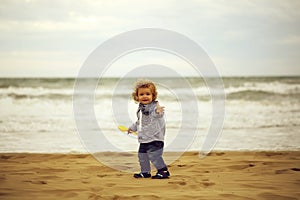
221,175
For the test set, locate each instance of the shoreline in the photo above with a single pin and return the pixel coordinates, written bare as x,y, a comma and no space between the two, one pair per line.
187,151
219,175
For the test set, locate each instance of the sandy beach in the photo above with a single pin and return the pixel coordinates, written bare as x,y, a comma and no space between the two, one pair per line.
220,175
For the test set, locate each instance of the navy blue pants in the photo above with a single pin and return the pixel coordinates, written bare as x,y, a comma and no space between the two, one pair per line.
151,152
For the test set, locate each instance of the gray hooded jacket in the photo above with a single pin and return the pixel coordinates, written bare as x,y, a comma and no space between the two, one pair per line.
152,126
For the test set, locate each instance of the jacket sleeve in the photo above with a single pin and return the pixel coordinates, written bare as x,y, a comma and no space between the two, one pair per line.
156,114
134,126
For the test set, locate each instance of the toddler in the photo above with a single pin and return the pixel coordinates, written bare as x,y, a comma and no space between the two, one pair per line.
150,125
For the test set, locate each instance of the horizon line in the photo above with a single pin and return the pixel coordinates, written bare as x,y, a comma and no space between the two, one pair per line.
133,77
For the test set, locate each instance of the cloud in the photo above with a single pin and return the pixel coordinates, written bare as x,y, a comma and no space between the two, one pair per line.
238,31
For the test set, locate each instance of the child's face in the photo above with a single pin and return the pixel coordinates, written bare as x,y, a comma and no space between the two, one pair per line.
145,95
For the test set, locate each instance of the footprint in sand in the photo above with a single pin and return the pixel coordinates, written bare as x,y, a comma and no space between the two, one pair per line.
36,182
110,184
233,196
95,196
101,176
4,157
177,182
275,196
207,184
295,169
240,167
281,171
2,178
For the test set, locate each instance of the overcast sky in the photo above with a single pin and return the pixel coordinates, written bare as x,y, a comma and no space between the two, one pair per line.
243,38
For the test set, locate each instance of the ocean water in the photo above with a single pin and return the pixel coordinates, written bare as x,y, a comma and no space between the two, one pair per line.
262,113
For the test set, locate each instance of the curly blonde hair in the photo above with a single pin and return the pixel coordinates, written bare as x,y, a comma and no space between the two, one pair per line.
144,84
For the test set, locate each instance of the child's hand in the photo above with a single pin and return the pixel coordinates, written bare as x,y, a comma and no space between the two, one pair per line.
159,109
129,131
